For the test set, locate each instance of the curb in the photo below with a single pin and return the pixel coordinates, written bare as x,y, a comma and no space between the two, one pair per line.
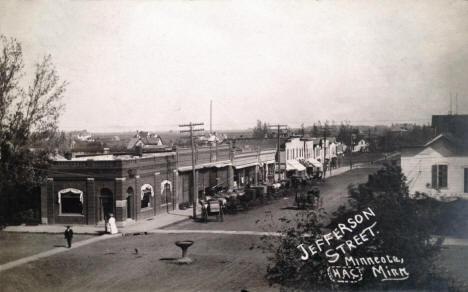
99,232
54,232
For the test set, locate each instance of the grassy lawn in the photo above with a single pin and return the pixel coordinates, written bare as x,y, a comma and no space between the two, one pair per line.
14,246
221,263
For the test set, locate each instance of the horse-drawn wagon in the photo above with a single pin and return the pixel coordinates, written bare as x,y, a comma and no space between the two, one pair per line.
308,200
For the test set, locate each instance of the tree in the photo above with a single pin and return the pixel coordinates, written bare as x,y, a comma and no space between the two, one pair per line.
28,122
260,131
404,229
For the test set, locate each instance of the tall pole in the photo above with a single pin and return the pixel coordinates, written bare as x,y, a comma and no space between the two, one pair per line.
369,138
211,116
303,137
195,183
278,153
324,150
278,163
351,148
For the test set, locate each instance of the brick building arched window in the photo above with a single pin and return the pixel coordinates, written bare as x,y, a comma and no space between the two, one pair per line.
146,194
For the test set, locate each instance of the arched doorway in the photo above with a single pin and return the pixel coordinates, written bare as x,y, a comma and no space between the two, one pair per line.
129,203
106,204
167,203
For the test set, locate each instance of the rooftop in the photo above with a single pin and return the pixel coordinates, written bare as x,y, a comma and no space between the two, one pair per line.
111,157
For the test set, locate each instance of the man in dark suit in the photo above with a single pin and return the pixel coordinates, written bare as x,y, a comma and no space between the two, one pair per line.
69,236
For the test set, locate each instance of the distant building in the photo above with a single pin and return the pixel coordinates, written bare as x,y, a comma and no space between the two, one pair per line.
84,136
299,156
361,146
145,140
298,148
438,168
210,139
457,125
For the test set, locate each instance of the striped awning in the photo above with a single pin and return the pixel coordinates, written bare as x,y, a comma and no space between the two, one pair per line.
294,165
315,162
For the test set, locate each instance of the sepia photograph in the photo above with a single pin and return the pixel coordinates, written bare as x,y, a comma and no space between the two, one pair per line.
234,145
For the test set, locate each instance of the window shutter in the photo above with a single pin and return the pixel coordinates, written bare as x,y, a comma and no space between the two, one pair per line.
434,176
442,176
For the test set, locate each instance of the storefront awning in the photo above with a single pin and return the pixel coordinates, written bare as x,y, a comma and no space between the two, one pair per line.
245,165
218,164
294,165
315,162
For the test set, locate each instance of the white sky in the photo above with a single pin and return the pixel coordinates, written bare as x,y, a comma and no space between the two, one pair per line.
155,64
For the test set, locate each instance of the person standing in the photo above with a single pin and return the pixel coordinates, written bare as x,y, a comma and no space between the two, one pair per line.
69,236
112,226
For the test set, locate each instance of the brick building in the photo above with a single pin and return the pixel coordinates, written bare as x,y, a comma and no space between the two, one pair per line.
86,190
213,167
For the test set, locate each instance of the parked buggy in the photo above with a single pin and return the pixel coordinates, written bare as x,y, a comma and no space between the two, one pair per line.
309,200
212,207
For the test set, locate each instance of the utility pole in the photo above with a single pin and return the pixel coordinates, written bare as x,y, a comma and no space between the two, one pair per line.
351,148
195,183
303,138
324,150
278,126
369,138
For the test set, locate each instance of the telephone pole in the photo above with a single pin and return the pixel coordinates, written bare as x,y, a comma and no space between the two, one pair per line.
351,148
211,117
369,138
325,129
192,143
278,126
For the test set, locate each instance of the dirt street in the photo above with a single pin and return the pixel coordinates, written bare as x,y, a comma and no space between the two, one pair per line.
222,262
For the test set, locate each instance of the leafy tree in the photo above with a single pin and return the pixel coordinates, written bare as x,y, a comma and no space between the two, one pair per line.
344,134
315,130
260,131
405,225
28,122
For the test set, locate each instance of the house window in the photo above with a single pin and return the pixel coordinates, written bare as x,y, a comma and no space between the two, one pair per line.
146,194
439,176
466,180
70,201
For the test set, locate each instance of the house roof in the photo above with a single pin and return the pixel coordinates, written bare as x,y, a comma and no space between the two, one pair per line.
152,140
457,146
447,136
132,143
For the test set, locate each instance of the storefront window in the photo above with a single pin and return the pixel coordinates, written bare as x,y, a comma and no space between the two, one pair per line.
146,194
70,201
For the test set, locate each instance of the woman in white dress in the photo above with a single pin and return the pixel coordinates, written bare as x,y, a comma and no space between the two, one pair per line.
112,227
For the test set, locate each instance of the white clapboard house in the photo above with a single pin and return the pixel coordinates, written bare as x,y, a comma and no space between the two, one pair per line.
439,168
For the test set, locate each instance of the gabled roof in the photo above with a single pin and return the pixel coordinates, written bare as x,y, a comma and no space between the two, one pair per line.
456,146
152,140
132,143
447,136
